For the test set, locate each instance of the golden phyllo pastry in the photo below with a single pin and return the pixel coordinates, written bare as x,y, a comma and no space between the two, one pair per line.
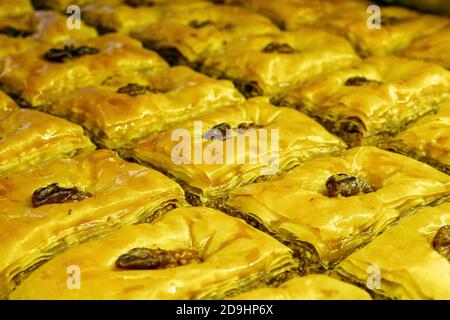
409,261
434,48
427,140
19,34
310,287
189,253
190,36
7,105
54,206
126,17
271,64
126,109
366,103
40,76
14,7
397,28
234,146
326,208
29,137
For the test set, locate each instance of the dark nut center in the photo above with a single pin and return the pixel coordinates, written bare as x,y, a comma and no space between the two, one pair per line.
346,185
53,193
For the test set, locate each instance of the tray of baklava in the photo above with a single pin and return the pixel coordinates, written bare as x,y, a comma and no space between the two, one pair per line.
237,149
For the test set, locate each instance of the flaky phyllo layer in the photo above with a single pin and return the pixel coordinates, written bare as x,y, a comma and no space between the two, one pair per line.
189,253
412,259
124,110
49,208
257,140
326,208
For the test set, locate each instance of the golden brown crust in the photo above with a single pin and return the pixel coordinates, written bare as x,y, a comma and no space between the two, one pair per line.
235,257
15,8
408,265
121,193
36,80
297,208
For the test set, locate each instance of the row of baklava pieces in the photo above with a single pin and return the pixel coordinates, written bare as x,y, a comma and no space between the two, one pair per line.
98,227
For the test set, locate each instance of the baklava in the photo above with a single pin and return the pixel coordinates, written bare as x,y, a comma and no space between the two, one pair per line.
433,48
397,28
19,34
125,110
7,105
309,287
367,103
326,208
14,7
189,253
62,5
427,140
271,64
39,76
189,37
61,203
234,146
29,137
411,261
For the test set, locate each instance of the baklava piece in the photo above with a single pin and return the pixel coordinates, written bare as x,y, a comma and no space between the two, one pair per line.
40,76
189,253
234,146
128,109
14,7
51,207
427,140
19,34
398,27
309,287
326,208
367,103
409,261
29,137
433,48
271,64
190,36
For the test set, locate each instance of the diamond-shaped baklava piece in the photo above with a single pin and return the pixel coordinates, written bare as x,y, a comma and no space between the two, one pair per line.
234,146
397,28
29,137
124,110
427,140
190,36
271,64
14,7
409,261
39,76
51,207
189,253
434,48
18,34
366,103
310,287
326,208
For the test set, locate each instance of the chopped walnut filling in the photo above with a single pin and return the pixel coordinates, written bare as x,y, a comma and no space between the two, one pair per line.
346,185
389,21
360,81
218,132
248,88
69,52
134,89
15,33
145,259
200,24
274,47
441,241
53,193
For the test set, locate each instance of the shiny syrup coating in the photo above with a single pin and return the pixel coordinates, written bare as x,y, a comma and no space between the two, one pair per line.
150,259
346,185
53,193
